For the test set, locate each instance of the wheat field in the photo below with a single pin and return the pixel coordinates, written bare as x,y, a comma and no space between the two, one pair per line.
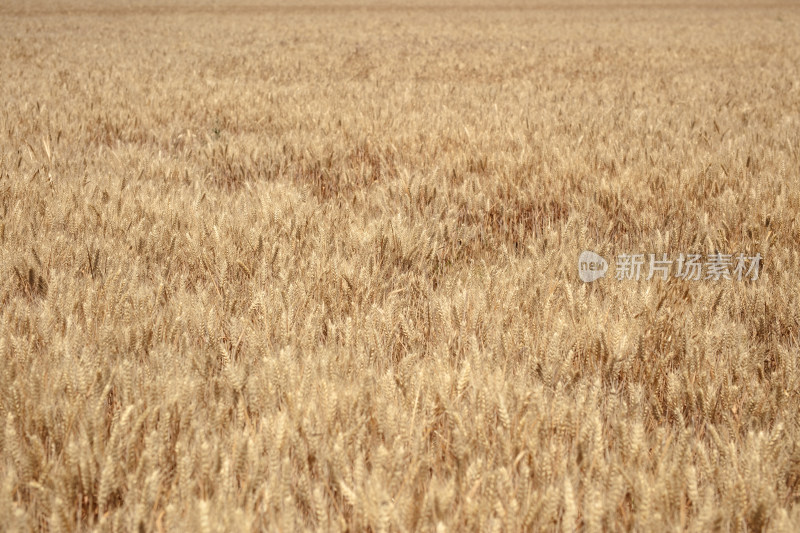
313,266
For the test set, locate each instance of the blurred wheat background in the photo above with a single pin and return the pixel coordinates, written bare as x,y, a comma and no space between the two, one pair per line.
314,266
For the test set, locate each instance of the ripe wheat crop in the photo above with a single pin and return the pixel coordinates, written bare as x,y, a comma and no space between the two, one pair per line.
313,266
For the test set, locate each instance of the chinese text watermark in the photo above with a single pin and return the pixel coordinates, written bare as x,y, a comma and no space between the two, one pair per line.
689,267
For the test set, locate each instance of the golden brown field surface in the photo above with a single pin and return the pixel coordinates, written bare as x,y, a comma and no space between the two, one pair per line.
314,266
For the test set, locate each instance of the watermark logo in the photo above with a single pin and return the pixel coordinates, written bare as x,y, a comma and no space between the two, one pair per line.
591,266
691,267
